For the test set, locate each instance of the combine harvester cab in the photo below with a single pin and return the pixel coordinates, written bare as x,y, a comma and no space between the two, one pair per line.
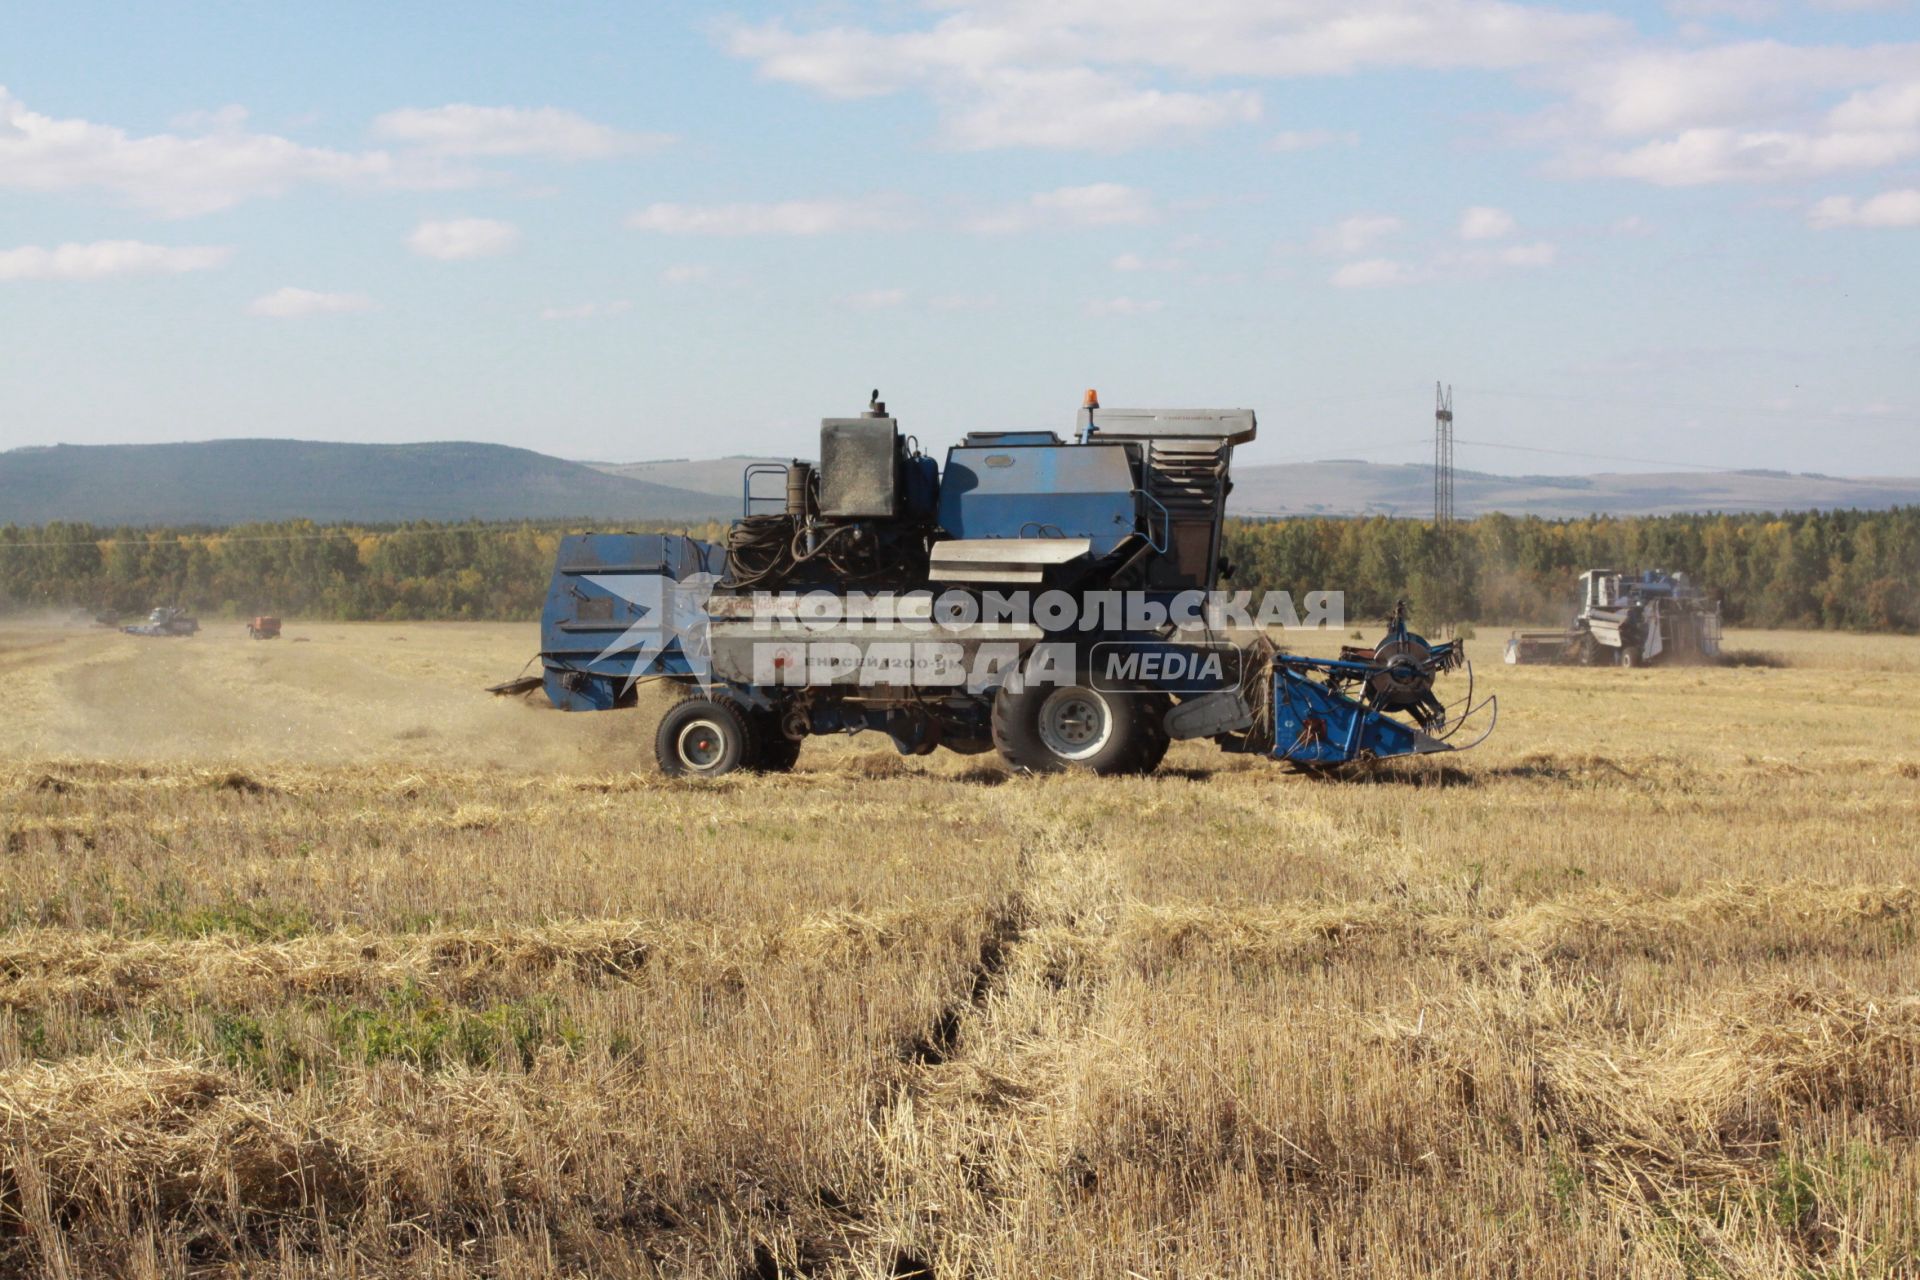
1055,601
1630,619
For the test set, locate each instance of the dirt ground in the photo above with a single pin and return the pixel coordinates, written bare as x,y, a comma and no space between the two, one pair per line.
316,959
322,693
414,692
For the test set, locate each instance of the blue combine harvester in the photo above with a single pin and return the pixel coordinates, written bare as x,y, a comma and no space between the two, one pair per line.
1056,601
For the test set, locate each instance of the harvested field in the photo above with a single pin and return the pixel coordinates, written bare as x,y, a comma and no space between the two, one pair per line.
317,960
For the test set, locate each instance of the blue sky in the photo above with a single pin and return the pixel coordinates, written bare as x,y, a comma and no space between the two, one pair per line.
1686,233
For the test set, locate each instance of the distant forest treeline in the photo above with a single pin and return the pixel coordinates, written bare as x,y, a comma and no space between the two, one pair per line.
1845,569
423,571
1857,570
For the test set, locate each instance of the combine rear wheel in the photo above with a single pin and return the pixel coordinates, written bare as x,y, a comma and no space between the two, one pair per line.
1053,728
704,738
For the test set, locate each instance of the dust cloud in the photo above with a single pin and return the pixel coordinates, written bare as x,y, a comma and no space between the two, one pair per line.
325,693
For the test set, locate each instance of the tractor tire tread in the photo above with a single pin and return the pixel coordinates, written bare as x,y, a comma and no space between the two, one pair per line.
665,747
1016,735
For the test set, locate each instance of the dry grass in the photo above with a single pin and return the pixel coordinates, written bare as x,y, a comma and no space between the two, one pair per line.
314,961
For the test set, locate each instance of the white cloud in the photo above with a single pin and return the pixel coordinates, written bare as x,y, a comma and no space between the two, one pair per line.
1483,222
228,119
1213,37
174,174
1070,108
1124,306
1134,262
1373,273
1447,266
1539,254
1738,10
991,92
1357,233
685,275
1125,73
1743,84
847,62
462,129
1888,106
289,303
1749,111
1083,74
1312,139
1099,204
587,310
213,161
1697,157
875,299
457,238
104,258
784,218
963,302
1888,209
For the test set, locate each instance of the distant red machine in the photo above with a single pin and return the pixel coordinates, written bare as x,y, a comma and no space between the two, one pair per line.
264,627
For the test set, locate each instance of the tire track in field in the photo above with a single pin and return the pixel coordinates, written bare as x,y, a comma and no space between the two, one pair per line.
986,1112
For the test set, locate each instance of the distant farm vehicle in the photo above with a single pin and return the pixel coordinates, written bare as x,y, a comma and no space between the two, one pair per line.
165,621
1053,601
264,627
1631,619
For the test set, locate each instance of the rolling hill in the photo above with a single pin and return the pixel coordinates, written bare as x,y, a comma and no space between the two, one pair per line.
1350,488
223,482
719,476
1344,488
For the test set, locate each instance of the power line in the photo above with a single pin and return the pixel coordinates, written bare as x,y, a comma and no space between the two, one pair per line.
1447,597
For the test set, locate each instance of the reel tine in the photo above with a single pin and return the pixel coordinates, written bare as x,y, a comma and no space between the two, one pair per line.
1493,703
1452,721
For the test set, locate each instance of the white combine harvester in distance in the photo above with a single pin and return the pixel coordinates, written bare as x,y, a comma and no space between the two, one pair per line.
1629,619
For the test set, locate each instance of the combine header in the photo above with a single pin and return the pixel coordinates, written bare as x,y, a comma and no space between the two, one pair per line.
1054,601
1629,620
